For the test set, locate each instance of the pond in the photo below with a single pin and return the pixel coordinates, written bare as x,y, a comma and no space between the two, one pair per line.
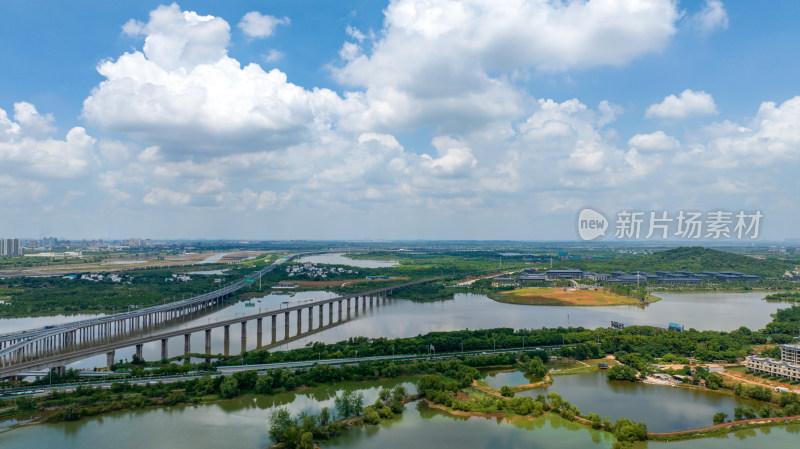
497,379
662,408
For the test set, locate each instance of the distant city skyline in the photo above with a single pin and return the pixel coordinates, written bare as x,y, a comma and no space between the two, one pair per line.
395,120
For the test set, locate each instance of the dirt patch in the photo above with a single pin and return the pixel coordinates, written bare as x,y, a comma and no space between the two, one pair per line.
557,296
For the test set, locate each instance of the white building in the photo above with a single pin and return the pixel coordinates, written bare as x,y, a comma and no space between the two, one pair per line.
788,367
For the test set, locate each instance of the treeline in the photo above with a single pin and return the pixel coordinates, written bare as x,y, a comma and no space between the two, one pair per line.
786,296
685,258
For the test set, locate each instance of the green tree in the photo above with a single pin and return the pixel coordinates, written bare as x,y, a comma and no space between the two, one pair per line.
536,368
280,424
307,441
622,372
720,417
507,391
264,384
229,388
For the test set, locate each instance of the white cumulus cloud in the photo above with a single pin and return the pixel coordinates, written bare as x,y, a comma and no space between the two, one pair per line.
688,103
712,17
436,60
257,25
657,141
185,95
161,196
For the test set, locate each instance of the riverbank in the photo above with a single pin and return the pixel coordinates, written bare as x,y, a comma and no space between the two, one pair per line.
568,296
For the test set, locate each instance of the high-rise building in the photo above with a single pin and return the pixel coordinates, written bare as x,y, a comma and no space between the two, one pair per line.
10,247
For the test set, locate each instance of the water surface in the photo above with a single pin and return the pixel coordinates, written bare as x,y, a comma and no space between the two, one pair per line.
342,259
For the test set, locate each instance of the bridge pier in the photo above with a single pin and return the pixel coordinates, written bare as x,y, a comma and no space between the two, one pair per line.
310,318
139,351
208,341
109,359
187,343
321,306
227,334
364,302
259,326
356,305
163,348
244,330
370,301
286,325
330,312
299,321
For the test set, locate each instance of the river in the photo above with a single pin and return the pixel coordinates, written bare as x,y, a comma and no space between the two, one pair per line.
403,318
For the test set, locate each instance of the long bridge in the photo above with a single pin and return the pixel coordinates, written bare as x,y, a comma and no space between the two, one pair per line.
31,343
68,342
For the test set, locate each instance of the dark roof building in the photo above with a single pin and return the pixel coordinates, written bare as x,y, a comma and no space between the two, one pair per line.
569,273
680,280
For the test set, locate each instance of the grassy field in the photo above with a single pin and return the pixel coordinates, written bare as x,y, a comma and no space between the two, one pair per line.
558,296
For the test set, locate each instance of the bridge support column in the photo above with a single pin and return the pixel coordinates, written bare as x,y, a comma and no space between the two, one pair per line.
356,304
244,330
371,299
259,326
330,313
299,321
139,351
208,341
286,325
310,318
364,302
187,343
227,334
163,348
321,306
109,359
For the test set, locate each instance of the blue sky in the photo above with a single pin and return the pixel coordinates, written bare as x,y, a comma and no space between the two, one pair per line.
407,119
